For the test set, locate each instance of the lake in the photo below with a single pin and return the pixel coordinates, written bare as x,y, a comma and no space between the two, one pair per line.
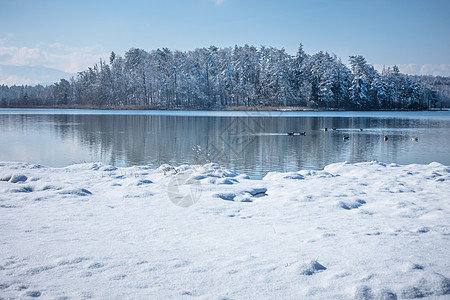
247,142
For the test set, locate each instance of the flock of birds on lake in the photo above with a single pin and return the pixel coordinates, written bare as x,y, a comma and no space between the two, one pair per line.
346,137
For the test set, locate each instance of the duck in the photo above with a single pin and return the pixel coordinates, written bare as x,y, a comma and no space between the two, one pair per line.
325,129
360,129
385,138
415,139
303,133
290,133
346,137
334,128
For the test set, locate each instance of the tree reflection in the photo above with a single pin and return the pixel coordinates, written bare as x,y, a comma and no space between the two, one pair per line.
252,145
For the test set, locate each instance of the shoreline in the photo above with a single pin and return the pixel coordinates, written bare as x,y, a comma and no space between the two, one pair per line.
232,108
135,107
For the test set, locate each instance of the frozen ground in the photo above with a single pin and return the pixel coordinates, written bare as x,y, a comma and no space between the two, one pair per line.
364,231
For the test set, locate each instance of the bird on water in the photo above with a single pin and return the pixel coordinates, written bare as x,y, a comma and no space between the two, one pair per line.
294,133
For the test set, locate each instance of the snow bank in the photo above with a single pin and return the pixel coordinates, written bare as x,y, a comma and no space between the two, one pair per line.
363,231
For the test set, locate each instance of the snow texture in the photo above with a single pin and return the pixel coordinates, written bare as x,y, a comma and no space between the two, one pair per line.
351,231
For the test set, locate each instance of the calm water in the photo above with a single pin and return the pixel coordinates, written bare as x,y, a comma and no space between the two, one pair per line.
251,143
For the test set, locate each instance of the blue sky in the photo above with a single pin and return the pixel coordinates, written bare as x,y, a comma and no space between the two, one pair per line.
71,35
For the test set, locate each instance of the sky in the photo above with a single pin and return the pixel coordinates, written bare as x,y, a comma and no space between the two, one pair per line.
72,35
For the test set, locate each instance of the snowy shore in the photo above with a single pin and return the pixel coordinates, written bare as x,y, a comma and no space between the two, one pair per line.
364,231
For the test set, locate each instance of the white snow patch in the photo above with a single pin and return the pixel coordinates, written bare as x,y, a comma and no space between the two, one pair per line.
362,231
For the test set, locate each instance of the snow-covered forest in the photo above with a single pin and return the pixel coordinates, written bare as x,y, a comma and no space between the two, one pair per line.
243,76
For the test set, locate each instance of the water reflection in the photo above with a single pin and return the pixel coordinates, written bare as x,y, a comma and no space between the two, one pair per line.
251,145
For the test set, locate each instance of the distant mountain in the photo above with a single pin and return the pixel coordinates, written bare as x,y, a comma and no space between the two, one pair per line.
24,75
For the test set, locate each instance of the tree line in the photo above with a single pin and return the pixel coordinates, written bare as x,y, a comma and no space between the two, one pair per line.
240,76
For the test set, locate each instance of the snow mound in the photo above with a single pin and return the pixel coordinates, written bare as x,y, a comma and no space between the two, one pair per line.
280,176
18,178
76,192
351,204
433,285
311,268
5,177
243,196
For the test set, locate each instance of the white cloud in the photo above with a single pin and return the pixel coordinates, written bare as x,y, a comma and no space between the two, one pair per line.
61,46
18,75
57,55
10,80
14,79
425,69
442,70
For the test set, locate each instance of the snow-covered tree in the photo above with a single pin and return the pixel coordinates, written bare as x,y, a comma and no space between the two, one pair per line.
240,76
